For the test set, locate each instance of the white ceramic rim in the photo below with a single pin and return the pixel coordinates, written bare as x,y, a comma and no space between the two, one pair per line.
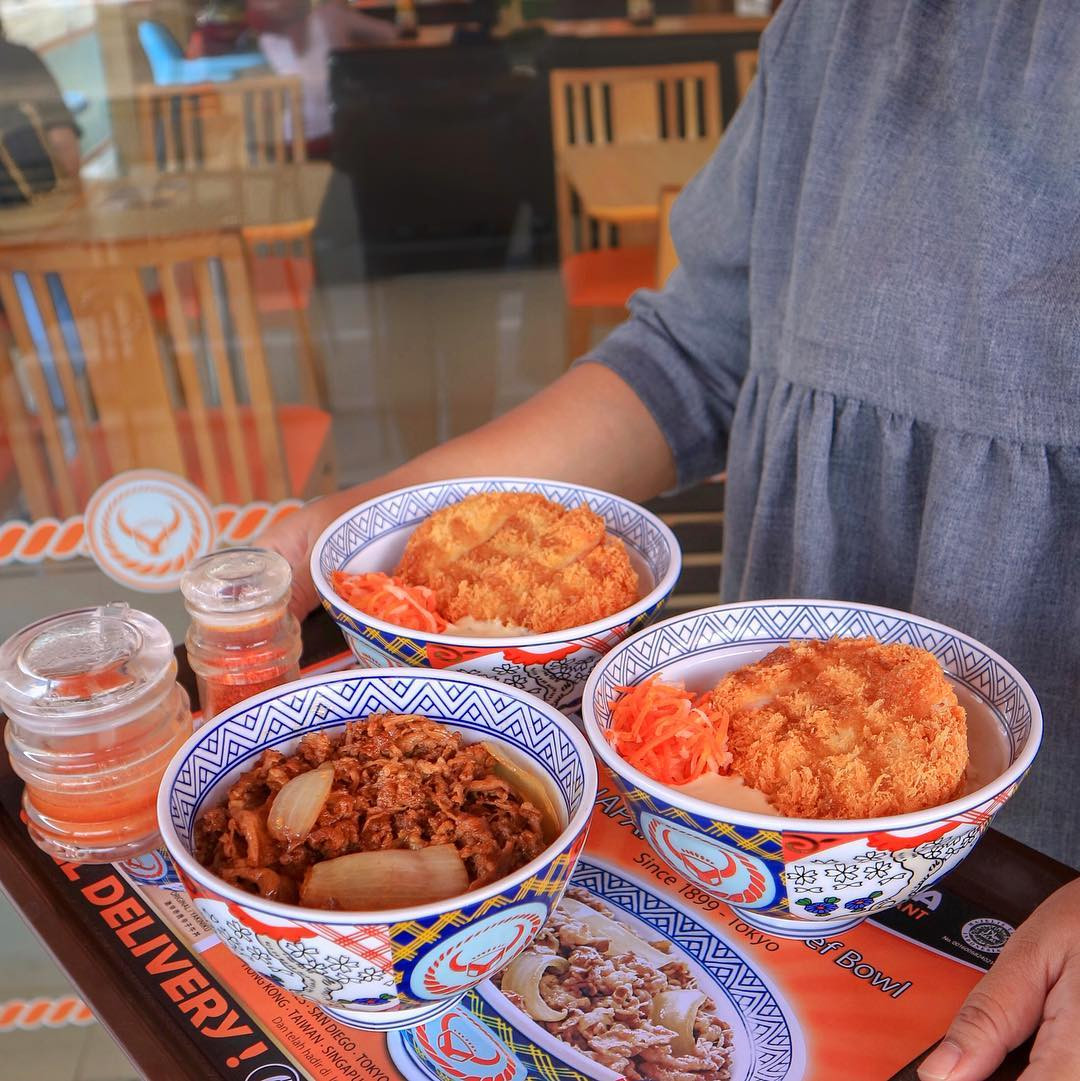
195,870
659,591
856,827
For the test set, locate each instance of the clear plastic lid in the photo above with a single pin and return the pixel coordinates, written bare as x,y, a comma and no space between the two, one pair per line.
237,582
86,669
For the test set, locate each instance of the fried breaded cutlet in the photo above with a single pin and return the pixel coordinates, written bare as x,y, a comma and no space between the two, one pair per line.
521,559
847,728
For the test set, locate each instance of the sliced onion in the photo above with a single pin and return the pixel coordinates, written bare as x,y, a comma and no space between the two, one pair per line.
530,788
394,878
677,1010
523,975
620,938
298,804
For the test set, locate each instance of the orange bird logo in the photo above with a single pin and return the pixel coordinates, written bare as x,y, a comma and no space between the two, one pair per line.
150,535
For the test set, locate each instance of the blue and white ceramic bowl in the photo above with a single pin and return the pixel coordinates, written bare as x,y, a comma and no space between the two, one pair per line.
810,878
396,968
553,666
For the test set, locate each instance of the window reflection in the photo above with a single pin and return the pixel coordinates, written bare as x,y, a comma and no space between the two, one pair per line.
276,247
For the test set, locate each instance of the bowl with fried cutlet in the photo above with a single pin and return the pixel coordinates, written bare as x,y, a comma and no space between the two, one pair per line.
525,581
811,763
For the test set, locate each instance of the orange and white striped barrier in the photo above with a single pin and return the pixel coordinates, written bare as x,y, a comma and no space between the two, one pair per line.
53,539
47,538
35,1013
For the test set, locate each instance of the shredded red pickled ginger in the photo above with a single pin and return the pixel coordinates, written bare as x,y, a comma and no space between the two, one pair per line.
662,730
390,600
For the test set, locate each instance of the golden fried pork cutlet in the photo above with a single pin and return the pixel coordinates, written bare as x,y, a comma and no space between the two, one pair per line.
521,559
847,728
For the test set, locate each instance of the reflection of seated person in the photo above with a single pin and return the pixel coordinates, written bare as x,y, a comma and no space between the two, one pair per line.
39,139
221,29
297,39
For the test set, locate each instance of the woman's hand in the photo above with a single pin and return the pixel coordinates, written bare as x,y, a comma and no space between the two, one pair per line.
1034,985
294,536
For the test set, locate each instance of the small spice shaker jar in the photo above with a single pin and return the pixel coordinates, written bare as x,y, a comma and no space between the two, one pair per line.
94,716
242,638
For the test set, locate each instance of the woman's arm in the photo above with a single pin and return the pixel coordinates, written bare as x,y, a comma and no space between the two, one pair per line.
588,427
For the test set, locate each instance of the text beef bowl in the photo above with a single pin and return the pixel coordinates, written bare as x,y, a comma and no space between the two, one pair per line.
418,794
820,665
373,538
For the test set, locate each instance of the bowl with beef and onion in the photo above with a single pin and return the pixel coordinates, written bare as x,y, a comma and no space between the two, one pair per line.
379,842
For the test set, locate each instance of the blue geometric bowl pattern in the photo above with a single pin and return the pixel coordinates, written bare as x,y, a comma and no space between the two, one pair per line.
769,1046
384,969
829,873
552,666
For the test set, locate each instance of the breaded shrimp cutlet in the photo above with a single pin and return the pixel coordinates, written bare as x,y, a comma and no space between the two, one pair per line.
847,728
521,559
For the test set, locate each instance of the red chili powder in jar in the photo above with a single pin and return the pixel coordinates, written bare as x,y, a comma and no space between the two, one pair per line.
242,639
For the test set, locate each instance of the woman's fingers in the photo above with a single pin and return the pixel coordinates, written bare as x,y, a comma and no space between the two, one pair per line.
1056,1054
292,537
1034,984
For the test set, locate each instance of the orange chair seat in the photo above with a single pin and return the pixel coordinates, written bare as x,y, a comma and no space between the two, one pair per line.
280,283
606,278
303,431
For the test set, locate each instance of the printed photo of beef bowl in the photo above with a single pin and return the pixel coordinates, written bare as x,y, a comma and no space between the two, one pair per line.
379,842
525,581
622,984
811,762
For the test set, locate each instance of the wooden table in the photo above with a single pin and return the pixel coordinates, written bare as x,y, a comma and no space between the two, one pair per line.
150,204
622,184
440,35
1001,876
662,26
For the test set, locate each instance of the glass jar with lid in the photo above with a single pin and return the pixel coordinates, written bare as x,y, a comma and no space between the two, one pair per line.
94,716
242,638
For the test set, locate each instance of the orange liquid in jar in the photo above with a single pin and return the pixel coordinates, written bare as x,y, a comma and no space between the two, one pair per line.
94,716
104,797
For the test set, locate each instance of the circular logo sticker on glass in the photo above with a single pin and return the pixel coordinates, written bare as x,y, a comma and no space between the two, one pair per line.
476,951
721,870
145,527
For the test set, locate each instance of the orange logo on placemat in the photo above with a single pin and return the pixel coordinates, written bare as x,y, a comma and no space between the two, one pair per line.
145,527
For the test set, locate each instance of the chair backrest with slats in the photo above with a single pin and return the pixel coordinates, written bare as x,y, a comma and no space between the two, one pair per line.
649,104
745,69
250,122
667,258
88,388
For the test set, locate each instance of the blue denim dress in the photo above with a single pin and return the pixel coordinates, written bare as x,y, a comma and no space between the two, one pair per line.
876,330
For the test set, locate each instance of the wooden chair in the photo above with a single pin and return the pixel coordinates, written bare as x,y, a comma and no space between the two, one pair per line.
242,124
215,126
745,70
199,403
667,259
613,106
